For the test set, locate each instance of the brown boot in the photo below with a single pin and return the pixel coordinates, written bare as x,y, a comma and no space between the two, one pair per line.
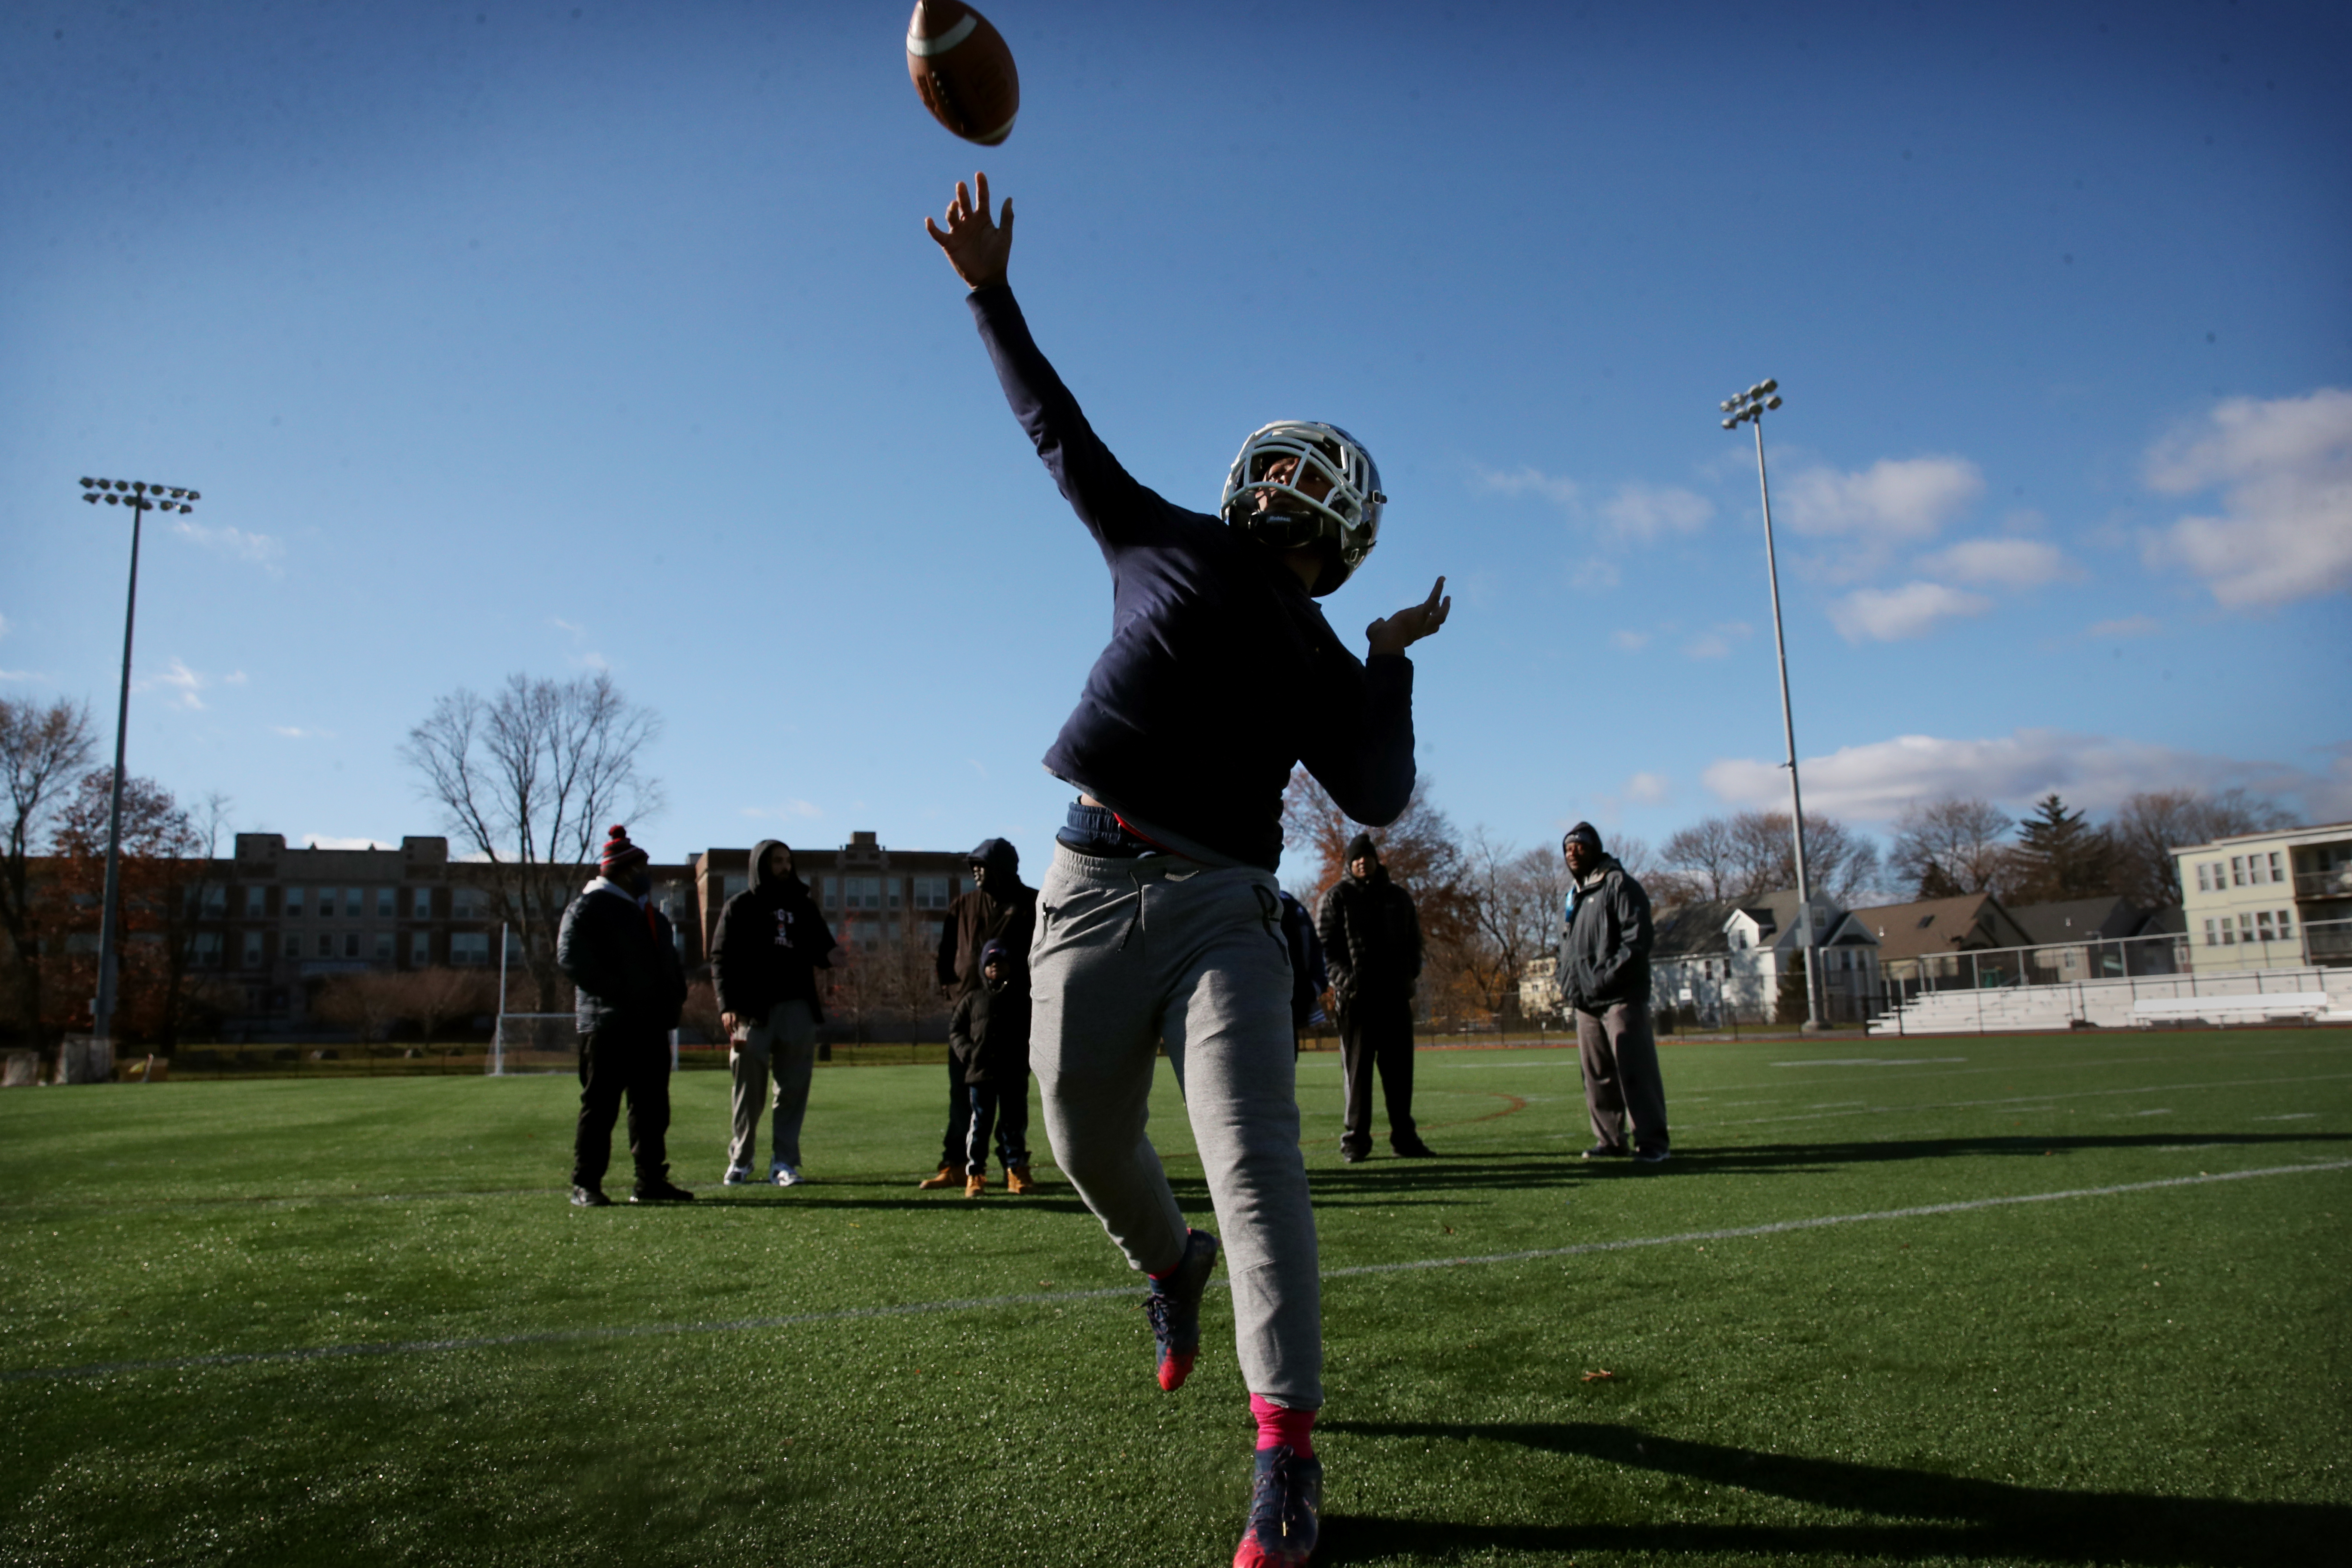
945,1178
1018,1180
975,1184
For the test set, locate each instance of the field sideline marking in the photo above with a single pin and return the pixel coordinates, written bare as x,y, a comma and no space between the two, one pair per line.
2020,1100
984,1303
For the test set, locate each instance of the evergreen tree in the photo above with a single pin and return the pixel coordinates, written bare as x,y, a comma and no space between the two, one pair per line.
2063,855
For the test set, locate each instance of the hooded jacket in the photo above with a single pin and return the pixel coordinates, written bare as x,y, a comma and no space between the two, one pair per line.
1221,672
1605,936
989,1032
621,954
769,944
1371,933
1006,911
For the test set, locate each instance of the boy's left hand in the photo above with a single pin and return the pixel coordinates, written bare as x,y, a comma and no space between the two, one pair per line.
1408,627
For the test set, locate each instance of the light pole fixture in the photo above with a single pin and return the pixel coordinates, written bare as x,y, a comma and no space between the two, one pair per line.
1749,409
141,498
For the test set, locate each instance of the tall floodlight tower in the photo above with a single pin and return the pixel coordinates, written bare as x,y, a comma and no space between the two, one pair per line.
1749,409
141,498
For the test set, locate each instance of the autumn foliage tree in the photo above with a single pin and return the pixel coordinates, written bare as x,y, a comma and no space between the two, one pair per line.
43,748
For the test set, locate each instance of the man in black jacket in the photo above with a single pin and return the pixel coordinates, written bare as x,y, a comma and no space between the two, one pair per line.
1604,977
1371,945
764,956
618,950
1000,908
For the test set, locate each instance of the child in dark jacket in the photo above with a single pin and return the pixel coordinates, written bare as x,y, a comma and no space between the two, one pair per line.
989,1037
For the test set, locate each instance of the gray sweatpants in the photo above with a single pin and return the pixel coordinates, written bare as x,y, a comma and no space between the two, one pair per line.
1133,953
1620,1057
786,1044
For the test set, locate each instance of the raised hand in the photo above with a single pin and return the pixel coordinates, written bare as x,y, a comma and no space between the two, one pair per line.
976,247
1399,632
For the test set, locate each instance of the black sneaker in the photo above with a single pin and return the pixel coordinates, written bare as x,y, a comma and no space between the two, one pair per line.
1174,1308
1651,1157
1354,1156
1285,1511
1605,1152
660,1191
587,1197
1416,1150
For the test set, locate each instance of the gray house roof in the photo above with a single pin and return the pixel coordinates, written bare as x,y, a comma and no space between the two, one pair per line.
2077,919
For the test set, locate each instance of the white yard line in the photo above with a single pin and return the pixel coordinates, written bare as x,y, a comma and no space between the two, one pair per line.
993,1303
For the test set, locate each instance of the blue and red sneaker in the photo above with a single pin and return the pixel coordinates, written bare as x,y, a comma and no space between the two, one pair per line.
1173,1306
1285,1511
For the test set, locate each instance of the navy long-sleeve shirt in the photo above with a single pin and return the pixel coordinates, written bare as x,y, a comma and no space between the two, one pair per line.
1221,672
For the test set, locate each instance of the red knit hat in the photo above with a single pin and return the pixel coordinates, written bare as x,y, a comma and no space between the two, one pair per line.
618,851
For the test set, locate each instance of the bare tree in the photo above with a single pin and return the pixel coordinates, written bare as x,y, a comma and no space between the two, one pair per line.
1753,853
431,997
1514,898
2149,825
1951,845
41,749
366,1004
1424,855
528,779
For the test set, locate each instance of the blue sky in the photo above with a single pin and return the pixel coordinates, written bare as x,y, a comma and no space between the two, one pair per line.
542,338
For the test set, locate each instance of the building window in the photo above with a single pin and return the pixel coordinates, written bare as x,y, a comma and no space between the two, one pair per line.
471,948
293,903
832,892
2237,871
256,897
350,945
420,949
208,949
2204,878
327,904
383,947
253,950
384,904
861,892
730,885
293,945
2212,935
326,945
933,892
2278,865
465,904
420,903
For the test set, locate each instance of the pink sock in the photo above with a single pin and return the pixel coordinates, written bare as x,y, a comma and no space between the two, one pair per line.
1280,1427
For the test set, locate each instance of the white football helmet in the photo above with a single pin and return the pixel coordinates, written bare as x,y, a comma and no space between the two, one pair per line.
1333,491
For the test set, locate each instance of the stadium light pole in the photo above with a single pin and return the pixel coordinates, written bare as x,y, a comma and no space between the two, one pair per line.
1747,408
141,498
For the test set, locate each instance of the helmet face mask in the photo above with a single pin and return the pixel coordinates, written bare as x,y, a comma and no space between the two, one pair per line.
1331,494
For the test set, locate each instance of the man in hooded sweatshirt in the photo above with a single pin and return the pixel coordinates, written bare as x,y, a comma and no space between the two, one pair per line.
1371,945
764,957
618,950
1604,977
988,1037
1000,908
1159,927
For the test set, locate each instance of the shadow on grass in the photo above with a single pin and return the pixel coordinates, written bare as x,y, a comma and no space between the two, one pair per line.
1772,1157
1919,1514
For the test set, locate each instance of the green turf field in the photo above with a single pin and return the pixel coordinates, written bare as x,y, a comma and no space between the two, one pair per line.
356,1322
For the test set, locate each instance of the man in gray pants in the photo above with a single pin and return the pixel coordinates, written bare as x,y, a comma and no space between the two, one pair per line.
1604,977
1161,921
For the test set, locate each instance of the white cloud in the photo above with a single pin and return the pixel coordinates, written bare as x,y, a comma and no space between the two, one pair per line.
296,732
2000,563
1717,640
1904,500
259,548
1648,513
2128,627
1648,789
1631,642
2284,470
1890,614
185,685
1872,782
338,841
1523,481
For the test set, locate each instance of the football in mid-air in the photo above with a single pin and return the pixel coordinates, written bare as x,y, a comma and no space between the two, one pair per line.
963,70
